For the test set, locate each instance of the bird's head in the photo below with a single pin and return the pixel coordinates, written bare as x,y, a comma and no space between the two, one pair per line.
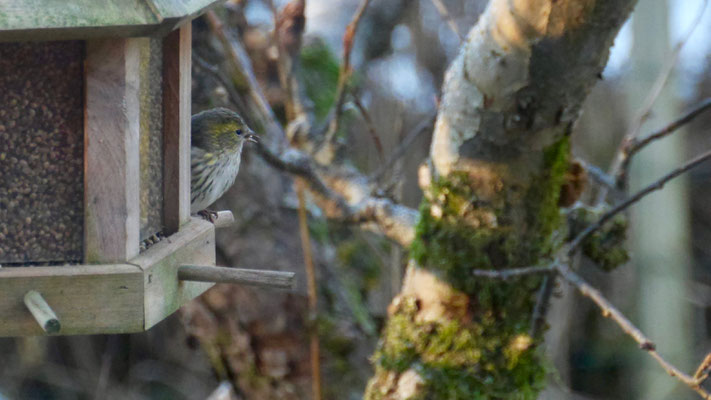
220,129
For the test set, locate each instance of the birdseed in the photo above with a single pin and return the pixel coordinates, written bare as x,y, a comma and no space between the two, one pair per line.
41,152
151,137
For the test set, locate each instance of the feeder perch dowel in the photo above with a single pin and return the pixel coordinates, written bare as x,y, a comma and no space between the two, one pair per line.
252,277
42,312
224,219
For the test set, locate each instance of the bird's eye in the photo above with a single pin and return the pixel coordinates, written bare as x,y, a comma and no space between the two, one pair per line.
238,131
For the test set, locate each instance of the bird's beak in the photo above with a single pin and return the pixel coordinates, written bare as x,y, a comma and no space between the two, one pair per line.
251,137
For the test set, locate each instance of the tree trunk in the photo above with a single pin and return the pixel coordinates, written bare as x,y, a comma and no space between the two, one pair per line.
499,155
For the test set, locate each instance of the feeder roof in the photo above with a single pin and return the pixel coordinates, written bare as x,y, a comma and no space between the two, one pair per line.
84,19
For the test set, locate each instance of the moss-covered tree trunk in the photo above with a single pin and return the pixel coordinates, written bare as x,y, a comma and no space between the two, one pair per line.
499,155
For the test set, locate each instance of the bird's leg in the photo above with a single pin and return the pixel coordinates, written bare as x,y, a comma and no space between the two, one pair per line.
208,215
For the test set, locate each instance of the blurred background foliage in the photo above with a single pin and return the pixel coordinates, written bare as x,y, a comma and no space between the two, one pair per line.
258,340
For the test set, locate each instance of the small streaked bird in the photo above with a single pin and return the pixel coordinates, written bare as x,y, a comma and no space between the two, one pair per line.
217,138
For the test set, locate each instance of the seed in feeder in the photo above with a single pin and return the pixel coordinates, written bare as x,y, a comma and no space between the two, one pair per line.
46,166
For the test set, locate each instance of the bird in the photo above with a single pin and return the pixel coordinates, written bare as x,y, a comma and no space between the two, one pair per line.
216,140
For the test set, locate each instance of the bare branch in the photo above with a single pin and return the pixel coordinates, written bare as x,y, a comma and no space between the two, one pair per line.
609,311
505,274
637,144
702,372
539,313
542,302
404,145
345,73
297,163
442,9
635,198
371,126
619,164
599,175
214,72
282,67
243,66
346,198
286,36
312,292
289,26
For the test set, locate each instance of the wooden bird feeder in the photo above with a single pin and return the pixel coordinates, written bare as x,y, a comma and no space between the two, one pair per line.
95,228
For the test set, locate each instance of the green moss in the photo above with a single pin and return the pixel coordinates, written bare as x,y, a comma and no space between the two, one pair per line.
542,198
605,247
319,72
458,360
487,354
445,239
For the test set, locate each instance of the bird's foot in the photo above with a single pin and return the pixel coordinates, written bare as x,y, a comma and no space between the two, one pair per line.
208,215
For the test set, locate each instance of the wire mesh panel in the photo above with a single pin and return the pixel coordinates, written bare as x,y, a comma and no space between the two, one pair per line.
41,152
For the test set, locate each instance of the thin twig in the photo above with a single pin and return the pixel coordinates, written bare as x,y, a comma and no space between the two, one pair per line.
539,312
599,175
312,293
609,310
243,66
344,73
616,169
509,273
621,161
285,66
447,17
370,125
282,67
542,302
297,163
215,73
702,372
402,148
572,246
637,144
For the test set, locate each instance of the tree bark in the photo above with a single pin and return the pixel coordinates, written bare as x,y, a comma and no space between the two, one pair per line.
499,154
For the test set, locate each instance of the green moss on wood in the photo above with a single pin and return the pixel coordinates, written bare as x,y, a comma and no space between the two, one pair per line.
605,247
487,353
542,198
455,233
460,360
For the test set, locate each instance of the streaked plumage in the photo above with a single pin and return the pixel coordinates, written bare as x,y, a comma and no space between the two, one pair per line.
217,138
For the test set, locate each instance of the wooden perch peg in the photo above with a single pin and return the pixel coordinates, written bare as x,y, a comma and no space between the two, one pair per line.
224,219
253,277
43,313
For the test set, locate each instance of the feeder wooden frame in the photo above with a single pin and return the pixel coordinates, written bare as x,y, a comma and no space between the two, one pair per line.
118,290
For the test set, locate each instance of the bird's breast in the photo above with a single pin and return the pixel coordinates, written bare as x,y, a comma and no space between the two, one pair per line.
211,179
